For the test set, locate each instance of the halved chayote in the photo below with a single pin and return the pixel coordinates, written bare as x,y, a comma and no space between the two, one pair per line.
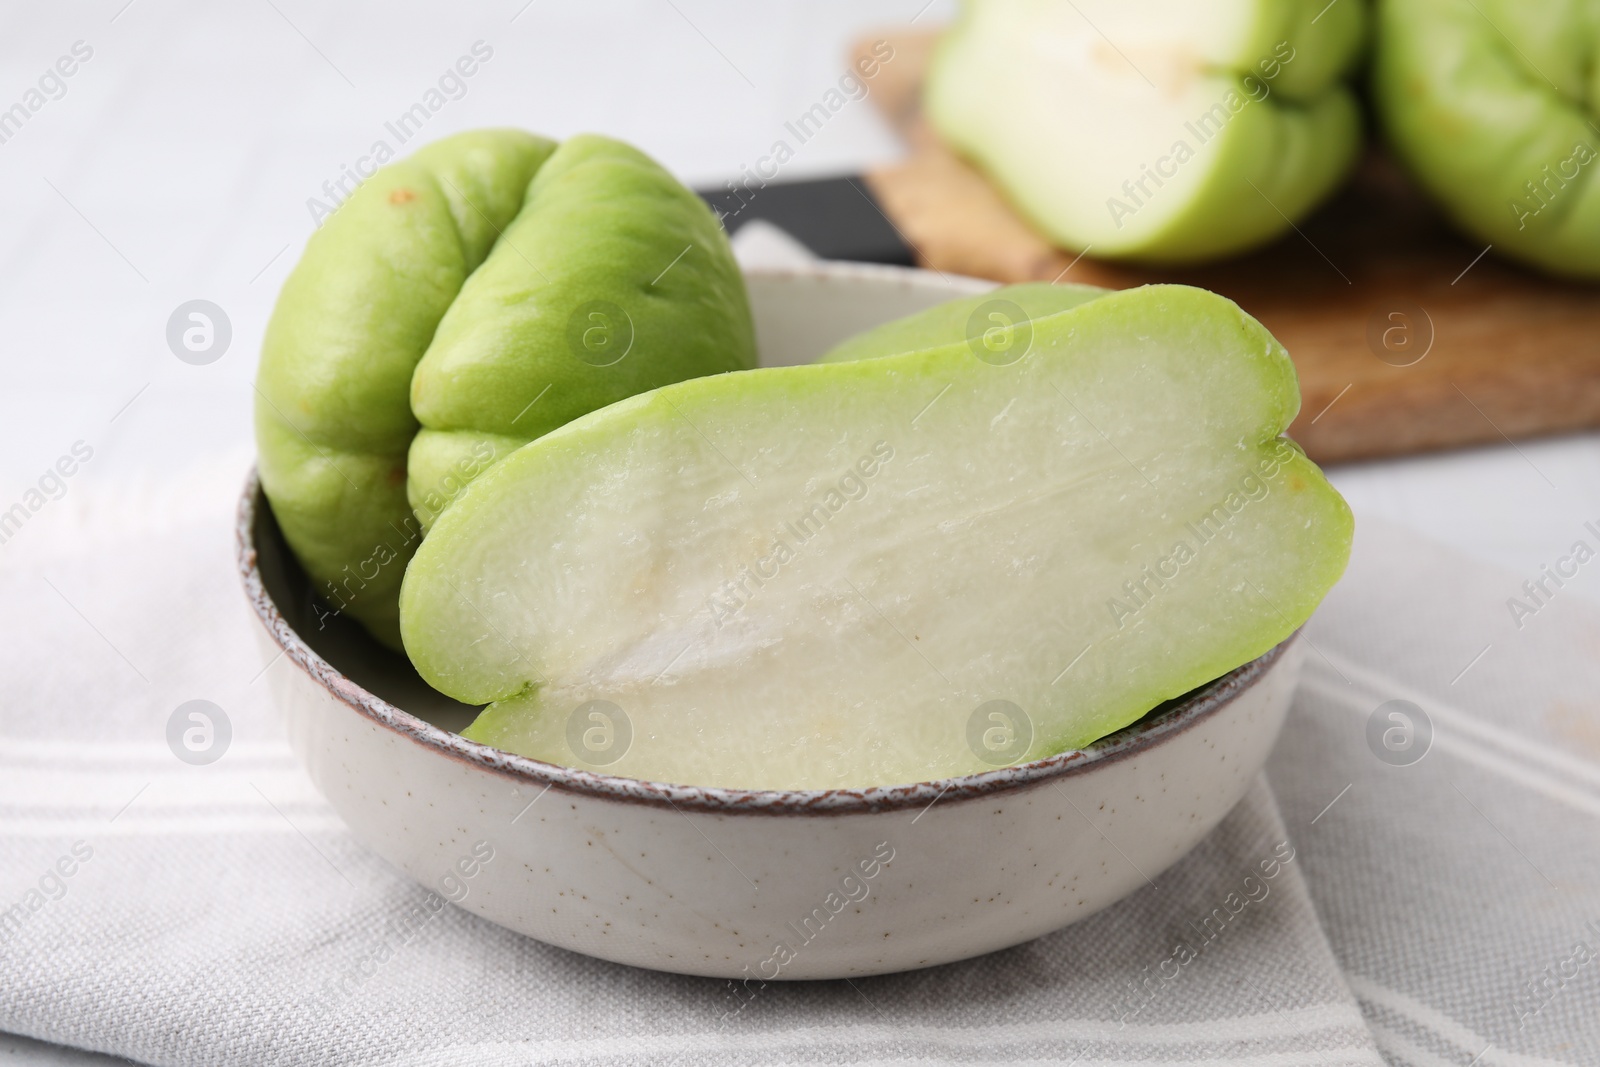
1167,131
461,303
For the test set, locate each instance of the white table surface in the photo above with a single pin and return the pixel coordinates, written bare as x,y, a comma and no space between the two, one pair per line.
179,161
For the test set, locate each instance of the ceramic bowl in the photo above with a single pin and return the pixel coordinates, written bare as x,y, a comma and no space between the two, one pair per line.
754,885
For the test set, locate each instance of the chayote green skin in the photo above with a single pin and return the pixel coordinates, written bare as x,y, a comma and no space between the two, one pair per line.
1494,106
439,298
578,306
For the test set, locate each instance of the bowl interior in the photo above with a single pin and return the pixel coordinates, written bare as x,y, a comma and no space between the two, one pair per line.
342,641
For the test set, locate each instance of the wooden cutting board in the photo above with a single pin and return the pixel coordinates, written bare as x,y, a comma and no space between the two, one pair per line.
1407,336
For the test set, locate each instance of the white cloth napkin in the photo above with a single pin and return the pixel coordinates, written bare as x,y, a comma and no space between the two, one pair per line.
179,914
1461,894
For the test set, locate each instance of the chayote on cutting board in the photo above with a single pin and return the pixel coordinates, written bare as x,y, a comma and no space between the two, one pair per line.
1494,106
1170,132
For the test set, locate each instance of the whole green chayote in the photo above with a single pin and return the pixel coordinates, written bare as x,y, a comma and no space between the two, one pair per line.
459,304
1494,106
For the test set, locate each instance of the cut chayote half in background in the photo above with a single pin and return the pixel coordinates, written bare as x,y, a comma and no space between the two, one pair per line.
1075,503
1170,132
461,303
1494,105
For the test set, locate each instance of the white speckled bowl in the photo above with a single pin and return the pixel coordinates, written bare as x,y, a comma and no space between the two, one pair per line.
753,885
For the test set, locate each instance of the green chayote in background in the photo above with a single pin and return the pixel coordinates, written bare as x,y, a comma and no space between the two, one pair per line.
461,303
1494,105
